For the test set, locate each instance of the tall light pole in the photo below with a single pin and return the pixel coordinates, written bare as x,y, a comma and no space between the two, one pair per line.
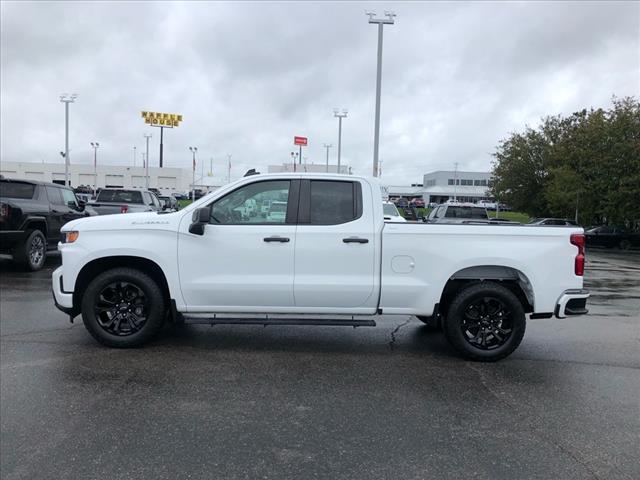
67,99
340,116
147,136
294,156
193,150
134,155
455,182
229,171
95,146
381,22
327,146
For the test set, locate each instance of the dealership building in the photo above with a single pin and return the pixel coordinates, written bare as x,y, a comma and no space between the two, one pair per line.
167,180
443,185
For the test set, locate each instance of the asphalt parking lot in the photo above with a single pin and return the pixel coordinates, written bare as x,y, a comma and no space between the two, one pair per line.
390,402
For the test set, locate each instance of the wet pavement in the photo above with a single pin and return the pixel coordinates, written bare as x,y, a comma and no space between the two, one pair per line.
391,402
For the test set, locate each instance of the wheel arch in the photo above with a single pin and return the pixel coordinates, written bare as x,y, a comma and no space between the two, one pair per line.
99,265
512,278
37,223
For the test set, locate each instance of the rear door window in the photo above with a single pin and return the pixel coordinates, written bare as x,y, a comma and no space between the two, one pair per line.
17,190
334,202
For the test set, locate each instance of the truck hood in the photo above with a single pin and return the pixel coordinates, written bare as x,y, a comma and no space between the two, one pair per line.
126,221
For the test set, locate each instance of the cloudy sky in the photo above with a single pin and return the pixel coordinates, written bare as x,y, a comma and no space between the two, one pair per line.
247,77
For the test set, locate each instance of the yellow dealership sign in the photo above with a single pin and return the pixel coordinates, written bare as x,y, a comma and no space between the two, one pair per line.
162,119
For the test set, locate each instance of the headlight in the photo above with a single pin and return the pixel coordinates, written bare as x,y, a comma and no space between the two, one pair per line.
69,237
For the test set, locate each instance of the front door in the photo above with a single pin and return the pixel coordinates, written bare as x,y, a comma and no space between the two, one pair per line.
244,260
335,248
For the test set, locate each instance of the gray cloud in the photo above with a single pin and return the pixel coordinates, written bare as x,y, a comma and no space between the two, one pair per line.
248,76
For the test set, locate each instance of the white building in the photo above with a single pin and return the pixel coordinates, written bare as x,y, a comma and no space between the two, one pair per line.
167,179
309,167
443,185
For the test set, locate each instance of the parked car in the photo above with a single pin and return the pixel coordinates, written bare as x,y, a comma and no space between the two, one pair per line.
277,212
417,202
457,213
119,200
329,259
488,204
168,202
31,214
558,222
401,202
391,213
180,196
606,236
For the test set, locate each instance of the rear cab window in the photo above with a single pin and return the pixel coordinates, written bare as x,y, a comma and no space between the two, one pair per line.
120,196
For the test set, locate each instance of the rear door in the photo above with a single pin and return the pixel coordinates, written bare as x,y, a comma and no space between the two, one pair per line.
335,247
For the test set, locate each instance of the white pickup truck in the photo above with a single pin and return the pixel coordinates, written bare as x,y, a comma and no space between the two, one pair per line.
331,259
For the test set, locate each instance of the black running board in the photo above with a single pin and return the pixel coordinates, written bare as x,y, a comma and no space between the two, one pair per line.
326,322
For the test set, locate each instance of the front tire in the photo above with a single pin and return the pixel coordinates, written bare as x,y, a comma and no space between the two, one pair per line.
485,322
123,308
31,254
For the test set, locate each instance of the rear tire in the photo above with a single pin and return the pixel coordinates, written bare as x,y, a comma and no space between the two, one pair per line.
32,253
123,308
485,322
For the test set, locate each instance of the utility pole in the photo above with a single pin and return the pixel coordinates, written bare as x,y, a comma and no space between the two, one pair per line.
95,167
147,136
381,22
193,181
134,155
455,183
67,99
339,116
229,171
211,167
327,146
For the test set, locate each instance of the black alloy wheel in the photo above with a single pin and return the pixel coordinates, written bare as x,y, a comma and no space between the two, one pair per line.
487,323
121,308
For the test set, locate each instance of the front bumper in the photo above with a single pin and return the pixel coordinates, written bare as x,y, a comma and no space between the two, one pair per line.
572,302
62,299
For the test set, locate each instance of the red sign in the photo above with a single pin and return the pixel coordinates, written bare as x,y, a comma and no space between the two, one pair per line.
300,141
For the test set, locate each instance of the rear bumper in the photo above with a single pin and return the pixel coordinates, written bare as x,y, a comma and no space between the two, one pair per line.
62,299
572,302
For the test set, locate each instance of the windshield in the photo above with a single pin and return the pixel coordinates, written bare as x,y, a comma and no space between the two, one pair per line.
390,209
120,196
16,190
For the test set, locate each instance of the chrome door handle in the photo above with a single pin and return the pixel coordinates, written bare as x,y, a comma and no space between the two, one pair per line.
275,238
355,240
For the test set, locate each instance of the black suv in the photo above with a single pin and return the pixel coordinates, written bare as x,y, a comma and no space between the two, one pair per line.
31,214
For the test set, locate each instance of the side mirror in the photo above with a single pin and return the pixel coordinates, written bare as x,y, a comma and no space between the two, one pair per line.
81,205
199,219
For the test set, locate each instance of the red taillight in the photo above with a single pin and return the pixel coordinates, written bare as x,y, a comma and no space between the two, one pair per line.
124,208
577,239
4,210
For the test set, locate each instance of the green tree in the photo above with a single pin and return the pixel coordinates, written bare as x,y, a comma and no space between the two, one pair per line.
589,160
